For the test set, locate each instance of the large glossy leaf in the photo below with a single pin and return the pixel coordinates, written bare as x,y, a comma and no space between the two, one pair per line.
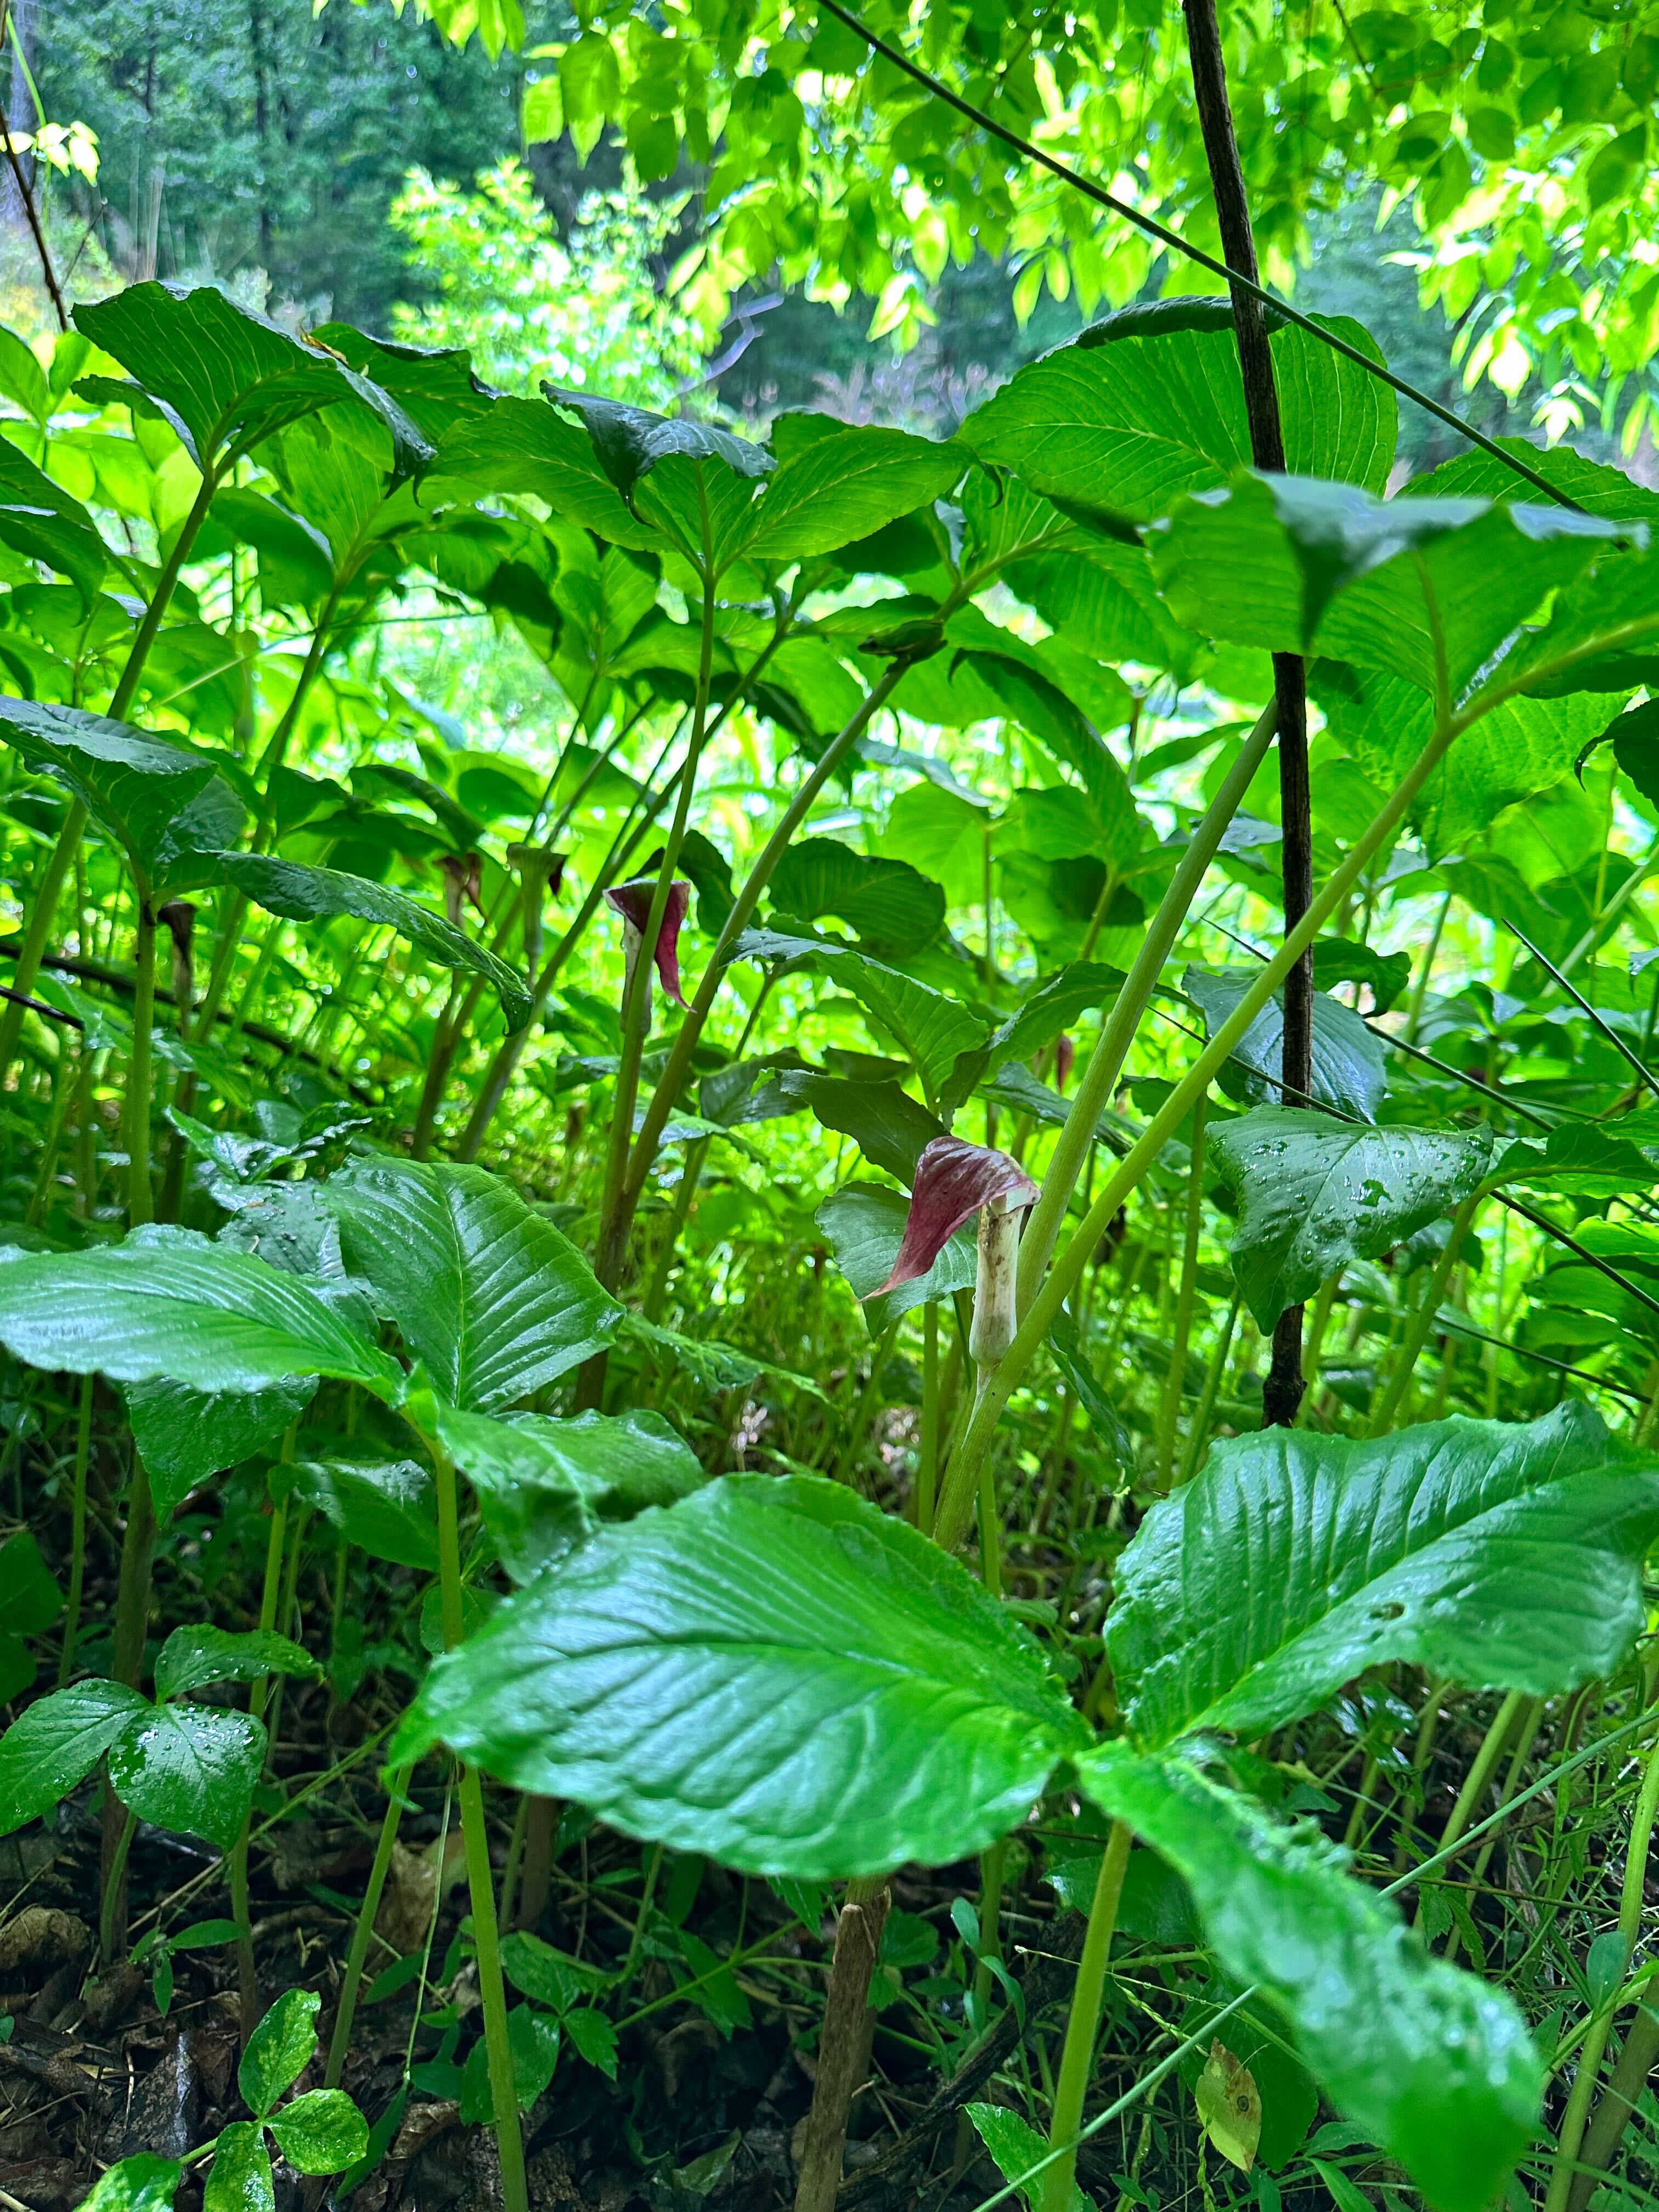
139,787
321,2132
40,519
193,1657
842,486
771,1671
1501,1556
1300,566
279,2050
1349,1072
190,1769
1316,1193
57,1741
143,2183
241,2179
865,1224
307,894
225,377
547,1486
931,1028
1433,2064
894,908
524,446
198,1313
184,1436
1048,1011
1147,404
484,1290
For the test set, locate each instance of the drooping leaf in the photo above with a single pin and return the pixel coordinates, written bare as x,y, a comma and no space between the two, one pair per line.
56,1742
190,1769
1316,1193
278,2050
1045,1015
843,1698
547,1486
1503,1556
1434,2064
524,446
226,378
139,787
387,1508
40,519
321,2132
187,1436
890,1128
1349,1072
307,894
192,1657
865,1224
484,1289
630,442
1147,404
202,1314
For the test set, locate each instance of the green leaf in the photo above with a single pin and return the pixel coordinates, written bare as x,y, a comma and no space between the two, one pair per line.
843,486
546,1485
865,1224
30,1599
533,2038
307,894
202,1314
1339,960
888,1126
190,1769
187,1436
485,1292
1502,1556
40,520
56,1742
1019,2149
143,2183
894,908
1316,1194
1048,1011
523,446
138,787
629,442
279,2050
1297,566
839,1696
1349,1072
434,385
551,1977
192,1657
594,2037
1147,404
321,2132
226,378
1433,2064
239,2179
387,1508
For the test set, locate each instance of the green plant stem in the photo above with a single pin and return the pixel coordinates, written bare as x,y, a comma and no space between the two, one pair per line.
42,912
1169,1412
928,1446
1199,1434
962,1479
481,1881
132,1596
139,1200
846,1466
1078,2054
363,1933
112,1912
1525,1739
1098,1079
1422,1322
1570,2139
1318,1328
992,1868
678,1065
1477,1780
77,1530
511,1049
247,1973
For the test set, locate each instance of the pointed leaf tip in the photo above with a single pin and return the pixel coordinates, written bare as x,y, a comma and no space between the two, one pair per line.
632,901
953,1180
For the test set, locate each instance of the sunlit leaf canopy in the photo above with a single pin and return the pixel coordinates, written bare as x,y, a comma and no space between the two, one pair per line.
1519,134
